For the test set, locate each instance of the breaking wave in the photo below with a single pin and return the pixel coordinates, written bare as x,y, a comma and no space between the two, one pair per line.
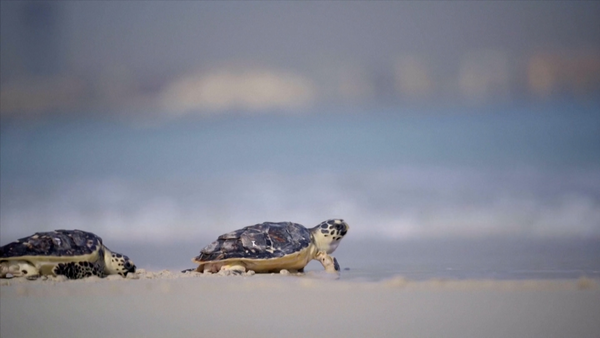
396,203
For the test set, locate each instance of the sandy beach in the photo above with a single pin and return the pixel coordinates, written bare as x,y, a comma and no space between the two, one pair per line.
173,304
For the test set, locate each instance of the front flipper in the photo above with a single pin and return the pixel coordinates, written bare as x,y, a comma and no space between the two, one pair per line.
78,270
329,262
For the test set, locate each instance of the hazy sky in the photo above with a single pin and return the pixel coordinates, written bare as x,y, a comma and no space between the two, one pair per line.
405,169
173,36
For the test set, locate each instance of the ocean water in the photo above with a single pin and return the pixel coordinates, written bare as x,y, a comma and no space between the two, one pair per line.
416,187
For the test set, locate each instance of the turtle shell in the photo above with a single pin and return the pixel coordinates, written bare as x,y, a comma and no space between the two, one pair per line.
58,243
260,241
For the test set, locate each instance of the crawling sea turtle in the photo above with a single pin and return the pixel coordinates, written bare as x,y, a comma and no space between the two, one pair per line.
272,247
72,253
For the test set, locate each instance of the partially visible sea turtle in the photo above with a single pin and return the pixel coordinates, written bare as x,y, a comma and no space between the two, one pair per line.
72,253
272,247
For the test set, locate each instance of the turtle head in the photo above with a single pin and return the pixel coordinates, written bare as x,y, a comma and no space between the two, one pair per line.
327,235
116,263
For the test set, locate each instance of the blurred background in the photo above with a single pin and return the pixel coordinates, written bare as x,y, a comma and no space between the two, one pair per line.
165,124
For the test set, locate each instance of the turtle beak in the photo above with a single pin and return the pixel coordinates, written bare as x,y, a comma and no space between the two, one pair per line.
129,267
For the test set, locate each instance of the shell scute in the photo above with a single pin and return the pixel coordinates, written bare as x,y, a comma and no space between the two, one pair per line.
54,243
254,240
212,247
260,241
232,235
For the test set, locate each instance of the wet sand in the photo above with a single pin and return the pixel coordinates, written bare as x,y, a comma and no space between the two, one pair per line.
173,304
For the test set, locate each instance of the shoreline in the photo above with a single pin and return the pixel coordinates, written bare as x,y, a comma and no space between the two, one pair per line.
44,284
582,282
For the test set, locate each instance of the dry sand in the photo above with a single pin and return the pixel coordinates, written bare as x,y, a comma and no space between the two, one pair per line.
166,304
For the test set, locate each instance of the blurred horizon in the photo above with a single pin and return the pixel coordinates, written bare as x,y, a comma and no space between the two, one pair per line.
163,58
410,120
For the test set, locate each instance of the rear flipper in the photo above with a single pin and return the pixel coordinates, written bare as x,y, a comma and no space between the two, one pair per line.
78,270
18,269
208,268
233,268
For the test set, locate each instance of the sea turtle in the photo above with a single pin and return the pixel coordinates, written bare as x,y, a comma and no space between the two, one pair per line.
272,247
72,253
